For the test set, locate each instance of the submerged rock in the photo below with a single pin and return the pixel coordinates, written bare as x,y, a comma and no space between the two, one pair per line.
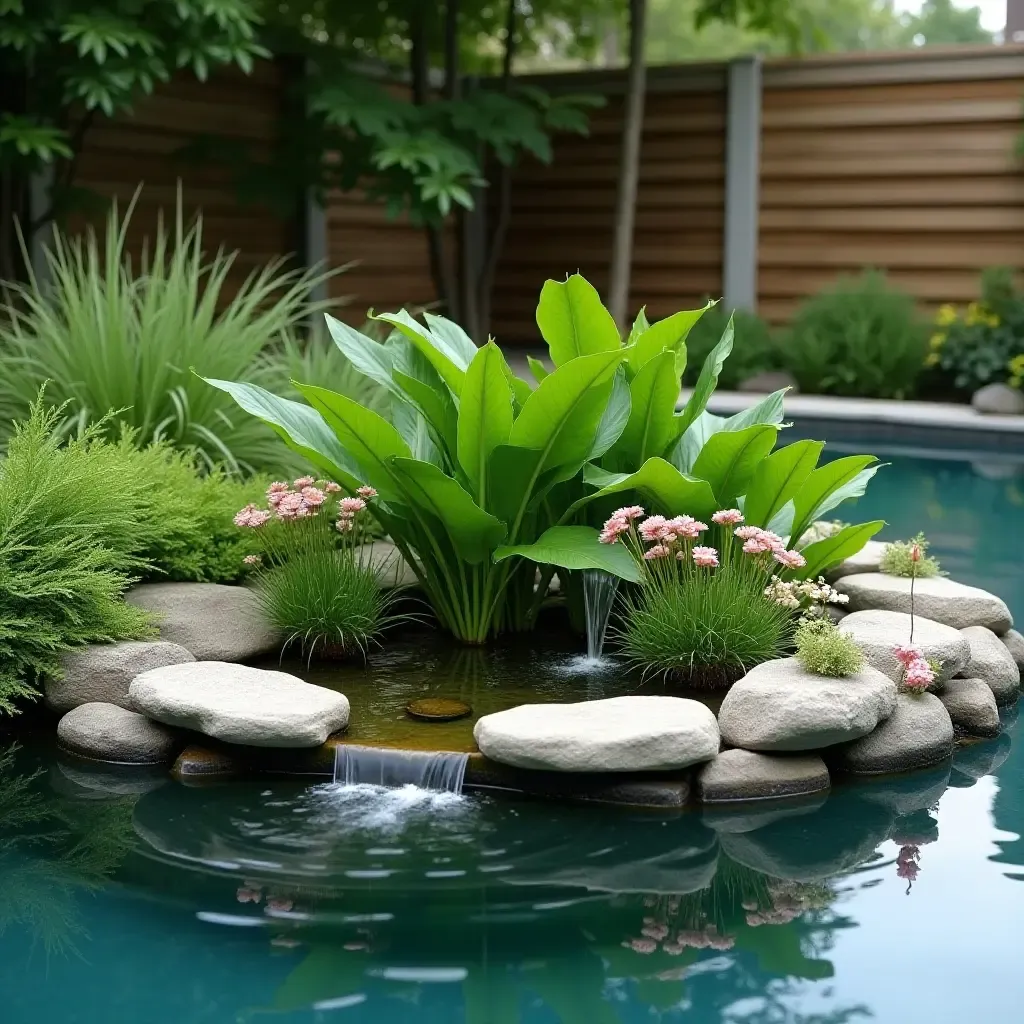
212,621
971,706
745,775
876,633
937,598
438,709
780,706
238,704
992,661
631,734
103,672
108,732
917,734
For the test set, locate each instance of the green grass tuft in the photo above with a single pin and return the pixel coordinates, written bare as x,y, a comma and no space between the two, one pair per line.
896,560
704,630
823,648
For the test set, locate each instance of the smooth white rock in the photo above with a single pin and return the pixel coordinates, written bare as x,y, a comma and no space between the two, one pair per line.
109,732
937,598
1015,645
998,400
780,706
877,632
237,704
868,559
619,734
991,660
972,705
746,775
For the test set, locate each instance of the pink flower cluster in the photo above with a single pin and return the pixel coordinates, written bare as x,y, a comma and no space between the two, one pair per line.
908,863
300,503
917,673
655,933
762,542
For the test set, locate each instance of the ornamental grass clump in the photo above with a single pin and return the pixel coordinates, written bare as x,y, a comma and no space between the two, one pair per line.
316,584
701,615
824,649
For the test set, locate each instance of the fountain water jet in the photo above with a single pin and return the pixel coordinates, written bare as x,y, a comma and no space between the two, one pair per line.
599,590
435,770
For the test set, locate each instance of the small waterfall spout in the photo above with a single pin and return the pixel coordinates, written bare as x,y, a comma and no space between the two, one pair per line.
599,589
442,772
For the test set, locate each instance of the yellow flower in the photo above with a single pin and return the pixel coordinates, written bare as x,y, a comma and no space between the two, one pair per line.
937,340
932,359
1016,365
974,314
946,315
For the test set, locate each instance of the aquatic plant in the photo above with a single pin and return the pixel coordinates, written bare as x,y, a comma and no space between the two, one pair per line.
823,648
316,583
910,558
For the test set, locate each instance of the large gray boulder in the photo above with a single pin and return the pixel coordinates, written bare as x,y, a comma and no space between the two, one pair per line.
972,706
103,672
868,559
992,661
212,621
1015,645
917,734
877,632
393,569
620,734
108,732
937,598
238,704
780,706
998,400
746,775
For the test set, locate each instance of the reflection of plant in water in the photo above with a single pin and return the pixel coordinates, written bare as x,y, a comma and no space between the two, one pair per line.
786,901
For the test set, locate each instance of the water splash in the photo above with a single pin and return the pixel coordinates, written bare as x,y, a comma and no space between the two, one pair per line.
599,589
434,771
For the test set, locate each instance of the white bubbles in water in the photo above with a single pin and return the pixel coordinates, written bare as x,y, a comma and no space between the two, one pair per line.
371,808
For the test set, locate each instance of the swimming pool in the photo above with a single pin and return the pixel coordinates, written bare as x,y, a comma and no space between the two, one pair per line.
128,899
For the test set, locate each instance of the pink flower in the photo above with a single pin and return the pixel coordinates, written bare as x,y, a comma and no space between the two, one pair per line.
643,945
908,869
313,496
628,513
727,517
304,481
656,931
252,560
706,557
351,506
684,526
915,552
343,525
658,551
612,529
790,559
251,517
753,547
280,904
244,895
653,528
366,492
747,532
906,653
762,542
919,675
331,487
276,490
291,506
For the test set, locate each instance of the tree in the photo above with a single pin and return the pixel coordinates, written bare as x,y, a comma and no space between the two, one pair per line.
68,62
941,22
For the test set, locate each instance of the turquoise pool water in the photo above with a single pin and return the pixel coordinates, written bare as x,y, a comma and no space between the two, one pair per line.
128,900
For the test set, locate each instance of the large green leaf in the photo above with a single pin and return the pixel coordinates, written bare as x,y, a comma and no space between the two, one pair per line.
778,478
302,428
435,405
365,435
640,324
576,547
814,499
614,418
452,339
485,416
573,321
707,381
369,357
668,334
668,491
823,554
731,457
769,410
446,359
415,431
537,368
472,532
651,427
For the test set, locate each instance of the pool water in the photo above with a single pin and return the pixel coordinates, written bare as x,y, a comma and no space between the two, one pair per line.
128,899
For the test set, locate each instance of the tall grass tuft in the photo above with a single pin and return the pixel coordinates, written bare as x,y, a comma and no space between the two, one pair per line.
703,631
71,525
114,337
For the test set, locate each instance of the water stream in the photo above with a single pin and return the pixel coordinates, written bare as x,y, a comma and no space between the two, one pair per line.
431,770
599,590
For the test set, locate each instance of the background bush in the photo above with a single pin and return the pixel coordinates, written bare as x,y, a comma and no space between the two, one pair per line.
861,338
754,347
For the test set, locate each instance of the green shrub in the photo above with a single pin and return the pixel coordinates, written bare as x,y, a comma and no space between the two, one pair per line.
983,343
703,630
862,337
898,560
754,347
110,336
823,648
71,524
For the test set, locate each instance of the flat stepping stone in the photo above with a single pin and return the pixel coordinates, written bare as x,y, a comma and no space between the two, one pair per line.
237,704
438,709
917,734
780,706
972,706
937,598
868,559
992,661
103,672
212,621
877,632
108,732
1015,645
746,775
620,734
